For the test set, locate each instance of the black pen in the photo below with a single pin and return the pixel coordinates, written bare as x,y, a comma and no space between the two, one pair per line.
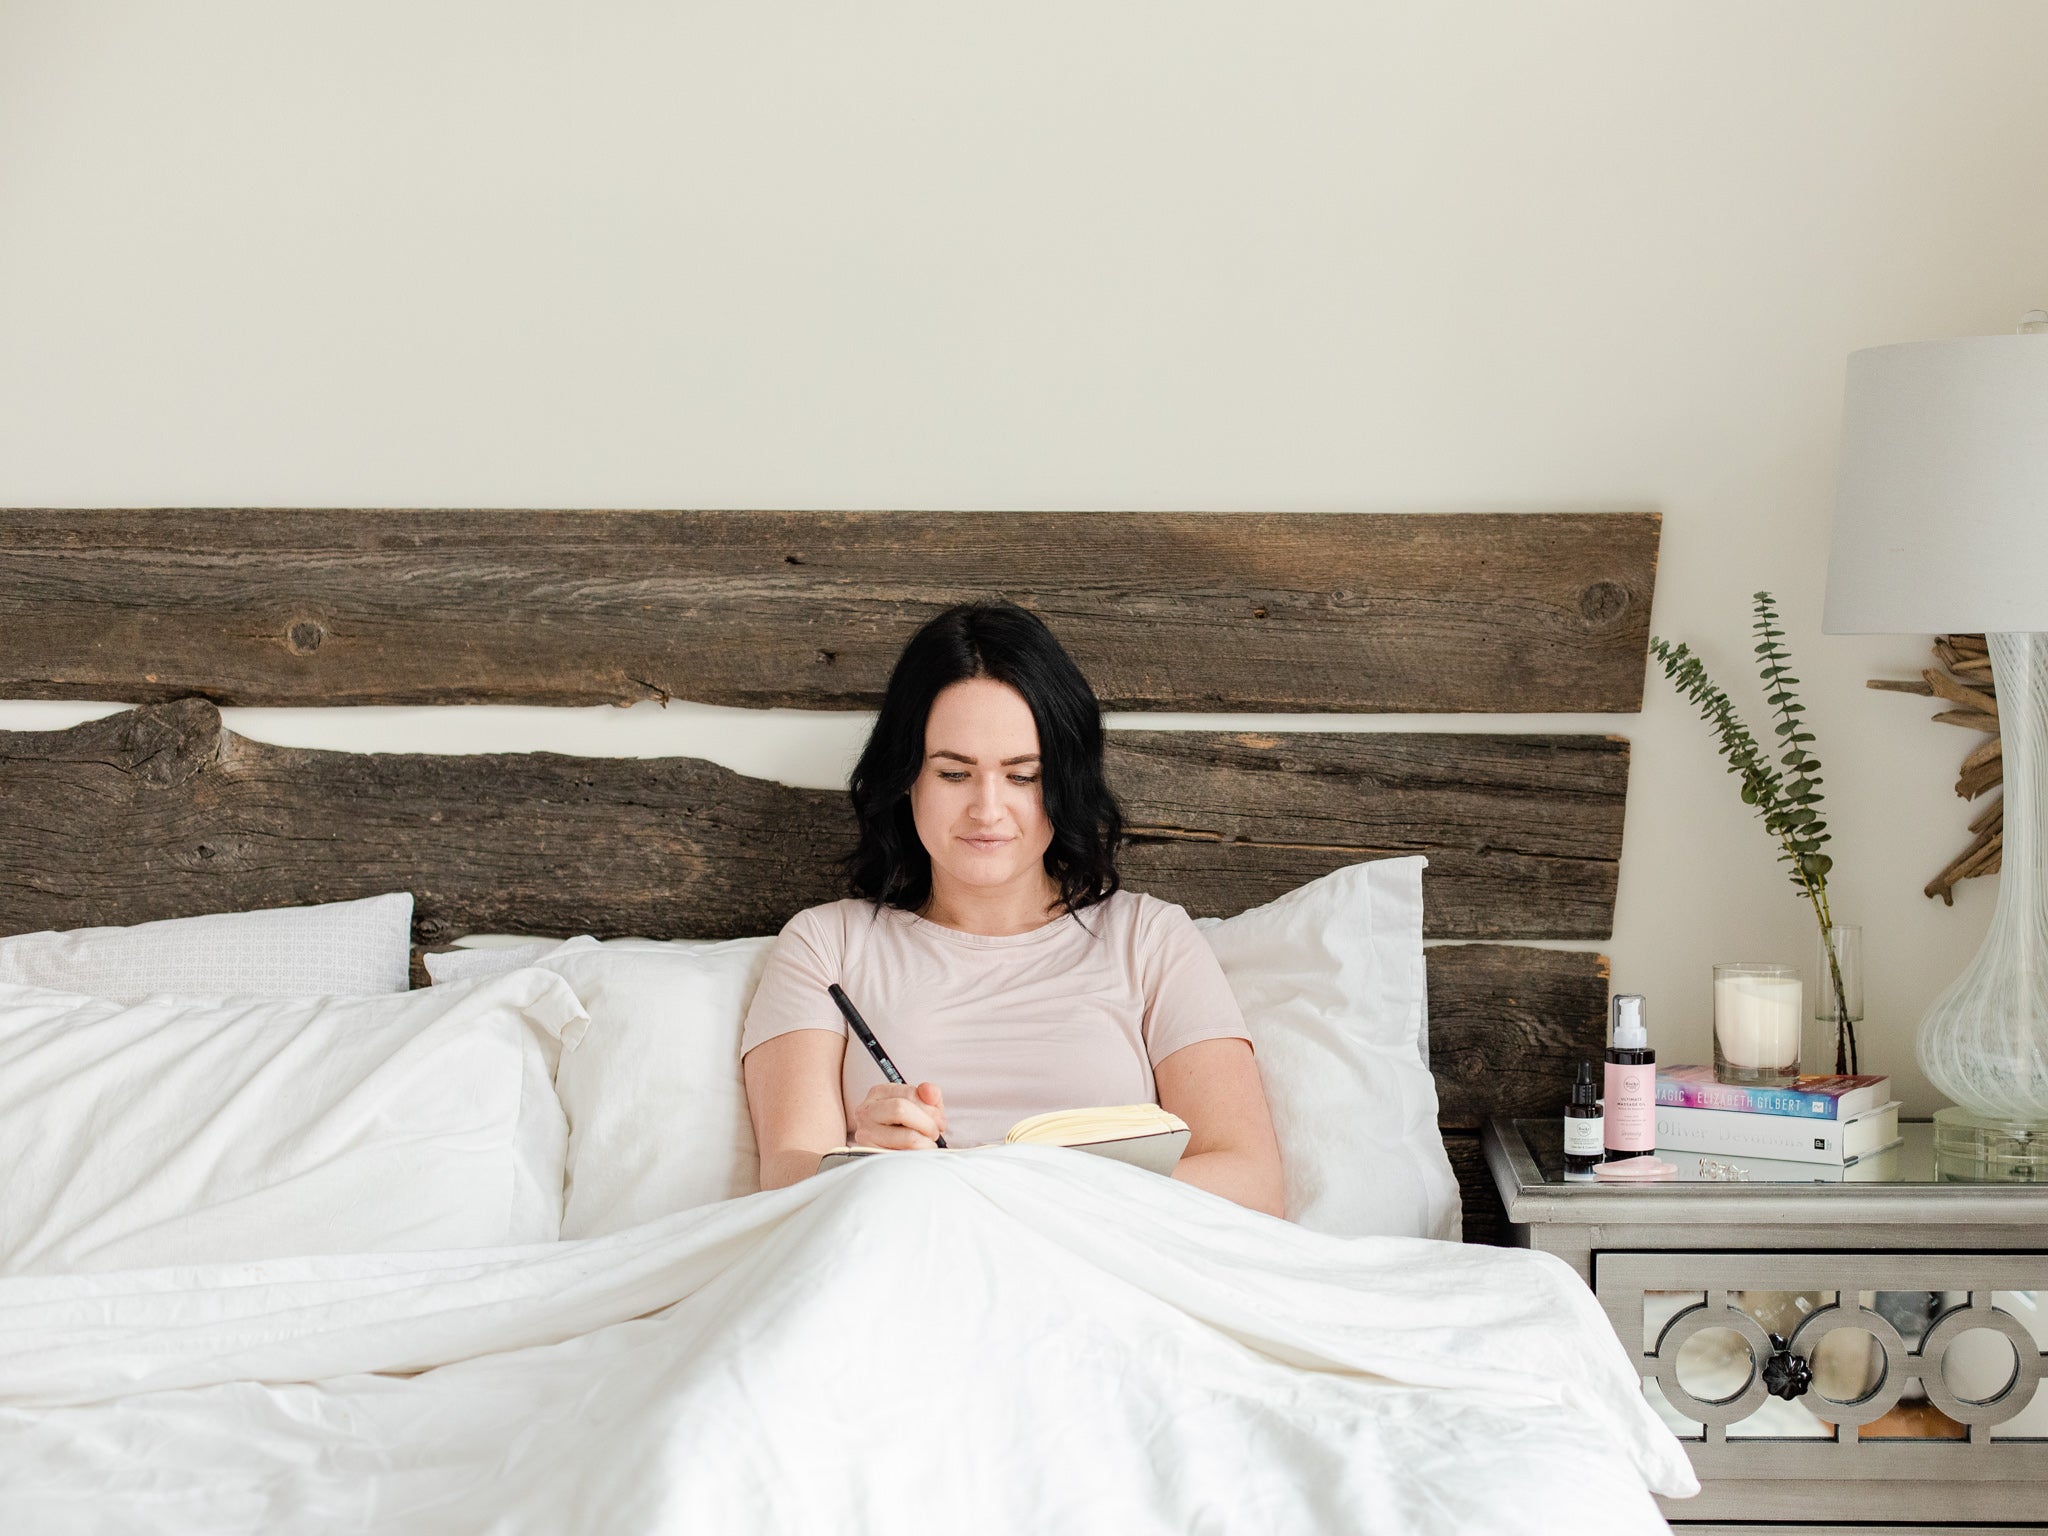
867,1037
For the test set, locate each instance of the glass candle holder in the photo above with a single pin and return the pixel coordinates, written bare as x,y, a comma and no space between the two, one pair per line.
1758,1012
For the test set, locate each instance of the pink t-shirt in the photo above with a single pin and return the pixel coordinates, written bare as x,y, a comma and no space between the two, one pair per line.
1067,1016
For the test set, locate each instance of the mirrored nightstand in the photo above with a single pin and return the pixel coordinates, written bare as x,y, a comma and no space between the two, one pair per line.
1832,1350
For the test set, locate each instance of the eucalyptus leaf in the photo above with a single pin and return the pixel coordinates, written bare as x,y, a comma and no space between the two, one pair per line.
1788,802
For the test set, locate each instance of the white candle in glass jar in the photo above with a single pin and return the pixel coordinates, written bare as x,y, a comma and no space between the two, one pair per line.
1757,1019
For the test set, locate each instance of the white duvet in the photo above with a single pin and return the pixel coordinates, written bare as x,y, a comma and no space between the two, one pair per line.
1007,1340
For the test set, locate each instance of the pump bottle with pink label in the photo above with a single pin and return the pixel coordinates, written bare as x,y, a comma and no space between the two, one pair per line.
1631,1104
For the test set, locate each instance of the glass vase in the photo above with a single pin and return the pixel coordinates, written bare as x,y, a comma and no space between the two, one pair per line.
1838,964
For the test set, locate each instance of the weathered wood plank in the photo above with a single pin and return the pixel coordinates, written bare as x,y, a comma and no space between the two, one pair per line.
1173,611
161,811
1486,1218
1508,1026
1523,833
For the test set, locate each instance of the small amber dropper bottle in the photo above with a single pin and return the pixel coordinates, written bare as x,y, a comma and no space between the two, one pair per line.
1585,1127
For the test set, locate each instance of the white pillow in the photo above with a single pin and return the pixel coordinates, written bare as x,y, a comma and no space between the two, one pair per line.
337,949
656,1102
492,954
188,1130
505,953
1331,981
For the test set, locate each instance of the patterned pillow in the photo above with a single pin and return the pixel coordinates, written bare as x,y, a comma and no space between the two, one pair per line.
336,949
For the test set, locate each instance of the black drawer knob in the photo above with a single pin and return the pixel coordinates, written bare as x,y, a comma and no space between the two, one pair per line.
1786,1375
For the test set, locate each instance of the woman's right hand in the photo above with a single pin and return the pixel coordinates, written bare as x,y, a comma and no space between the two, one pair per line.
903,1119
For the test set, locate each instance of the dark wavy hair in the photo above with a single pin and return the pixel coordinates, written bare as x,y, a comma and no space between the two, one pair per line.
890,867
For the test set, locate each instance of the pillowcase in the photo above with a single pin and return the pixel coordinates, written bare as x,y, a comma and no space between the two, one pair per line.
1331,981
336,949
193,1130
505,953
492,954
656,1101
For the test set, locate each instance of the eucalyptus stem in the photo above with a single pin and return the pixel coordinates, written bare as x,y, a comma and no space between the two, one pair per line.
1789,800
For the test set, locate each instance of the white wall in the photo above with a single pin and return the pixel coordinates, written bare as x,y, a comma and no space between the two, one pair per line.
1333,256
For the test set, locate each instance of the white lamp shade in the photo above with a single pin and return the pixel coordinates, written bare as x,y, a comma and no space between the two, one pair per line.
1941,517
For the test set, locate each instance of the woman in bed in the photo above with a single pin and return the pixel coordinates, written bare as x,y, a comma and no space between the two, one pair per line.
988,941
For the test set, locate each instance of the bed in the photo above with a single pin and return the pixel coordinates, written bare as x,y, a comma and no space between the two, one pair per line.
1015,1339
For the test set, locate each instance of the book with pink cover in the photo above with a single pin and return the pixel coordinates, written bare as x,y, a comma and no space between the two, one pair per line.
1143,1135
1804,1098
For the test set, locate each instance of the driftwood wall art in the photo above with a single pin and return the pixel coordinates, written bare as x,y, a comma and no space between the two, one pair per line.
1963,683
159,811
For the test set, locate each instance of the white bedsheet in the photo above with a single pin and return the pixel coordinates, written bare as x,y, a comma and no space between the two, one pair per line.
1015,1339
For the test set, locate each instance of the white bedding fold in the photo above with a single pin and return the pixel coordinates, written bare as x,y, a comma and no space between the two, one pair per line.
1013,1339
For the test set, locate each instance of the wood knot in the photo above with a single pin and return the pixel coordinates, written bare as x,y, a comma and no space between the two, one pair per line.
432,930
164,745
304,637
1603,602
792,559
1258,613
828,657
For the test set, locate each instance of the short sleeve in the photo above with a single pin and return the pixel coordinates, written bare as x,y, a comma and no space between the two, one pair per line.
803,962
1187,996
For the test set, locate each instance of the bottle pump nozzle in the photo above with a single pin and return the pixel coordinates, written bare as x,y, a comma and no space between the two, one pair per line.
1629,1033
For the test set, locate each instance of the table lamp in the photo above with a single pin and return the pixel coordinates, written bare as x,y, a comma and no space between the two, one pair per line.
1941,526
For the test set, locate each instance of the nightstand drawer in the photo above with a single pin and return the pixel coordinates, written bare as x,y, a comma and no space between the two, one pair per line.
1818,1367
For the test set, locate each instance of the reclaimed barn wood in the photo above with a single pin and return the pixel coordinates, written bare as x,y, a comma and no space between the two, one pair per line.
1486,1219
1182,611
1508,1026
161,812
1523,833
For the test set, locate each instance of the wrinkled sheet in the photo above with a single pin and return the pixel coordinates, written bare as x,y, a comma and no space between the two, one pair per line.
1009,1340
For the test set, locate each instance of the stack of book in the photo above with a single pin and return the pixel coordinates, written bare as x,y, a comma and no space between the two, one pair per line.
1827,1123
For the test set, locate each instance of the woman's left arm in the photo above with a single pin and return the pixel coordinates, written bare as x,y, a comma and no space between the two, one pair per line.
1214,1086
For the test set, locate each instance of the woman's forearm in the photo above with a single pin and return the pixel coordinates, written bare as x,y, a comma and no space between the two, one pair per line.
781,1169
1249,1180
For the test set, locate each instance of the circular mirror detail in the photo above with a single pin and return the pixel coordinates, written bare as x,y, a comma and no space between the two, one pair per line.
1727,1362
1874,1368
1954,1328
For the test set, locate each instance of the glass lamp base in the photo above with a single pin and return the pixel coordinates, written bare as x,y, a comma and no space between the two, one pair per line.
1984,1041
1977,1149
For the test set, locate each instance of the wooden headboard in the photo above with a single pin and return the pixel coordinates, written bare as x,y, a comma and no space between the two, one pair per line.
160,812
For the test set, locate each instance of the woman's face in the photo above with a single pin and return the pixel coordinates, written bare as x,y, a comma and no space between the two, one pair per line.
976,801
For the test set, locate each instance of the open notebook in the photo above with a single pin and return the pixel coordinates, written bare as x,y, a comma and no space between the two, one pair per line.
1143,1134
